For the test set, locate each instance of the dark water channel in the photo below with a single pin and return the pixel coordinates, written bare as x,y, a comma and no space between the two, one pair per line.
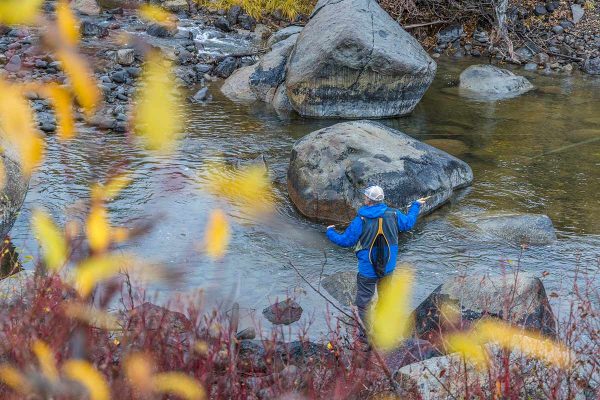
521,152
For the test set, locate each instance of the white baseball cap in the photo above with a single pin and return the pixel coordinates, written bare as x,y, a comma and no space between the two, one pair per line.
374,193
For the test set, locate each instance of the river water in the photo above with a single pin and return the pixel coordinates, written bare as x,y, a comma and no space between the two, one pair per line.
524,152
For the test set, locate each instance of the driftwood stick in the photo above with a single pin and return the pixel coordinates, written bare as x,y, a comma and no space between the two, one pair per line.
424,24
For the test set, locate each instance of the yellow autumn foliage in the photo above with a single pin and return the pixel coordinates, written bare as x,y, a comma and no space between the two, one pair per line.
81,79
91,315
67,23
13,378
138,369
112,188
179,384
84,373
63,106
51,240
153,13
390,318
96,269
98,228
46,359
17,12
216,235
158,120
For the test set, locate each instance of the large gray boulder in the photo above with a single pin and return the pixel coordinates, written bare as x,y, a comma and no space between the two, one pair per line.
474,297
270,71
237,86
488,82
14,191
536,229
283,34
330,167
352,60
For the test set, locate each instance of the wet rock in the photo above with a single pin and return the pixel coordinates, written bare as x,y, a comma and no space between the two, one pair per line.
567,25
535,229
281,100
14,189
283,34
14,64
578,12
226,67
524,54
175,6
120,4
89,28
161,31
461,300
87,7
541,58
352,60
481,37
557,29
237,86
489,82
410,351
592,66
341,286
41,64
125,57
223,24
253,356
329,168
201,96
450,34
246,334
119,76
270,72
134,72
233,13
261,32
153,317
202,68
283,313
247,22
530,67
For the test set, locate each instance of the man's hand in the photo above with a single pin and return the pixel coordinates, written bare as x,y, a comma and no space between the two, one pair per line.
422,200
330,226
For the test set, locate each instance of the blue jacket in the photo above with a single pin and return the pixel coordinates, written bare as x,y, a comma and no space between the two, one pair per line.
351,235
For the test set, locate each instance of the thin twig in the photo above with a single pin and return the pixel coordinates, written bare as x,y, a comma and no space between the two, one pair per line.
425,24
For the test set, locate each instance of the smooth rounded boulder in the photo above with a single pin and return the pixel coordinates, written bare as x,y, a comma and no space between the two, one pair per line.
352,60
330,167
534,229
14,191
488,82
237,86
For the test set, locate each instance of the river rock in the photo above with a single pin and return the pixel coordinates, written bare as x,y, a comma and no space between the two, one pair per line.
477,296
14,64
161,31
223,24
592,66
254,357
246,334
153,317
89,28
329,168
578,13
125,57
270,71
491,82
237,86
283,313
283,34
352,60
533,229
410,351
175,6
88,7
14,190
226,67
114,4
201,96
449,34
341,286
281,101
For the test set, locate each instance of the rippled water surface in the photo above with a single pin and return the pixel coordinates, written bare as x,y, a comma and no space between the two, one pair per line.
525,154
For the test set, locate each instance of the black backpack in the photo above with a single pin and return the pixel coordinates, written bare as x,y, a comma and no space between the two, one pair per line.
379,251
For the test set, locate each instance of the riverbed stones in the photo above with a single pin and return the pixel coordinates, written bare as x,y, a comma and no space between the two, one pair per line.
330,167
461,300
283,313
352,60
410,351
14,189
578,12
270,71
237,86
283,34
125,57
529,229
14,64
87,7
226,67
592,66
489,82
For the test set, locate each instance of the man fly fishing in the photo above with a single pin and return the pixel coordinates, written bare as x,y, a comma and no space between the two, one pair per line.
374,235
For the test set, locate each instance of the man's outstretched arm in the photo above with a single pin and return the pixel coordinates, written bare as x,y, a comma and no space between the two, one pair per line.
349,237
408,220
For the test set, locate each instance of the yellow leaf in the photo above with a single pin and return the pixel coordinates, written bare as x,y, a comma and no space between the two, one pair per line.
81,79
68,26
17,126
46,359
112,188
91,315
96,269
84,373
156,14
470,347
179,384
19,12
216,236
51,239
2,174
119,234
63,106
138,368
98,228
14,378
390,318
158,102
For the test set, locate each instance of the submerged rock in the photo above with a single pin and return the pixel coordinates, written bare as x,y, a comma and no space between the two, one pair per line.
283,313
237,86
201,96
490,82
536,229
473,297
352,60
14,190
329,168
341,286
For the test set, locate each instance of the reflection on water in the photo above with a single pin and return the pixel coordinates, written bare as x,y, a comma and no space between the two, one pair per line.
520,150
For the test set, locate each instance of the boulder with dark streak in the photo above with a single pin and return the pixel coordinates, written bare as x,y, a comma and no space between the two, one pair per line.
352,60
461,300
330,167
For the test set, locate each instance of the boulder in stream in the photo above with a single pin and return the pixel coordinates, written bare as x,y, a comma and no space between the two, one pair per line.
330,167
237,86
14,190
283,313
341,286
477,296
534,229
352,60
488,82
